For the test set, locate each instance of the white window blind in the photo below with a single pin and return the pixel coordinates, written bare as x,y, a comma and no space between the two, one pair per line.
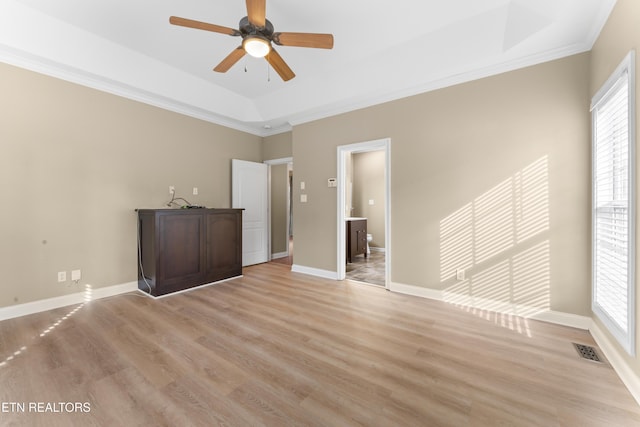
613,206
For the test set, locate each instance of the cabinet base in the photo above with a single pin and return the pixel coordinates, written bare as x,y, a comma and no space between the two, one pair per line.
145,290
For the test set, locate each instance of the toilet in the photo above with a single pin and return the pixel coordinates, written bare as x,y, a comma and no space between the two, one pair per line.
369,238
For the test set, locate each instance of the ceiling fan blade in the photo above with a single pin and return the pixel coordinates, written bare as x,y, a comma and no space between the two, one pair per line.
322,41
230,60
190,23
257,12
279,65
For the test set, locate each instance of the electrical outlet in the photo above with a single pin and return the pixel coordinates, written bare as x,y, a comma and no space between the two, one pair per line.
195,191
460,273
76,275
172,190
62,276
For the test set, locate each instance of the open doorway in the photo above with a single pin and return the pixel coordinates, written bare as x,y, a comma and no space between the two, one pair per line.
364,246
280,211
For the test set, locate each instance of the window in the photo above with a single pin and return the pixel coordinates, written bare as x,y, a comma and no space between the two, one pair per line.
613,211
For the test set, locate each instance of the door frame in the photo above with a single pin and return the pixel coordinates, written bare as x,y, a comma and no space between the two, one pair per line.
282,161
343,152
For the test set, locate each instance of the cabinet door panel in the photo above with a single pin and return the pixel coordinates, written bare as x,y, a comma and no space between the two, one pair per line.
181,246
362,241
356,238
224,245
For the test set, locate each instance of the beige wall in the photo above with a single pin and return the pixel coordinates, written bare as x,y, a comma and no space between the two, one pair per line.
620,35
491,176
277,146
75,164
369,184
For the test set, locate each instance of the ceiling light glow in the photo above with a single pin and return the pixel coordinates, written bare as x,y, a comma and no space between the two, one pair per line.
256,46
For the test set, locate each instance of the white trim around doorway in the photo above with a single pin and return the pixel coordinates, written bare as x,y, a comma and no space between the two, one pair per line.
343,152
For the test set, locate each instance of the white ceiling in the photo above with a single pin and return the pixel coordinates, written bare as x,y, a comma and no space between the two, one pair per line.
383,50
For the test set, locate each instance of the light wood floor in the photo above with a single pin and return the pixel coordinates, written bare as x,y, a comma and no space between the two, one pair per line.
278,348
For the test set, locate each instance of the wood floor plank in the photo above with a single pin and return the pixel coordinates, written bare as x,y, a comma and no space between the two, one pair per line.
279,348
200,404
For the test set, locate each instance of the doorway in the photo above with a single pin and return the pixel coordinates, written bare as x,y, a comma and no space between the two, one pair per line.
377,262
280,210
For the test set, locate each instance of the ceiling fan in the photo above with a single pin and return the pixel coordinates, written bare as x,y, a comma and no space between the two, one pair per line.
257,34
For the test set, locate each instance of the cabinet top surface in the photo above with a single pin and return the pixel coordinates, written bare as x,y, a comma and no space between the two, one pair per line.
184,210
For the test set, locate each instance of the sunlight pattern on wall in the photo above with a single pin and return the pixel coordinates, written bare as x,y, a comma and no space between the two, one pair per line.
494,221
500,240
532,200
456,242
532,277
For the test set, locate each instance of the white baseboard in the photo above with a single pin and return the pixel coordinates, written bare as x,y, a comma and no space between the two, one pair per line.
326,274
416,291
377,249
279,255
65,300
564,319
628,376
545,315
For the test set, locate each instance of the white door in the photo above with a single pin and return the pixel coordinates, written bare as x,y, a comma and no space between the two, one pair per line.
250,191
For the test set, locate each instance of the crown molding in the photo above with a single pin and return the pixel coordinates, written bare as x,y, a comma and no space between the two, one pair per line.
606,7
447,81
51,68
25,60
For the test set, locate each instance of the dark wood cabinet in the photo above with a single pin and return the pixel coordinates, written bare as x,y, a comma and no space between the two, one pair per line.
356,238
183,248
224,244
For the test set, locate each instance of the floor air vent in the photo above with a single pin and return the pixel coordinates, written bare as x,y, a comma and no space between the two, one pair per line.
587,352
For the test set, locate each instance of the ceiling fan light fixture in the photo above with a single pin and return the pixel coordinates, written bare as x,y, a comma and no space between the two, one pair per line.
256,46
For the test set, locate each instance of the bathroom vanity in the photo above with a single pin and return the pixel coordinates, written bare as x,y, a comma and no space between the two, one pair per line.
356,237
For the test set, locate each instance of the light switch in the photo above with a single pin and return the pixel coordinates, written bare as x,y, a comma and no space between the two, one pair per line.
303,198
302,186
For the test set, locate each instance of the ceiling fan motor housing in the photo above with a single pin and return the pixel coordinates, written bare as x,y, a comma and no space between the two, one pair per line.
248,29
